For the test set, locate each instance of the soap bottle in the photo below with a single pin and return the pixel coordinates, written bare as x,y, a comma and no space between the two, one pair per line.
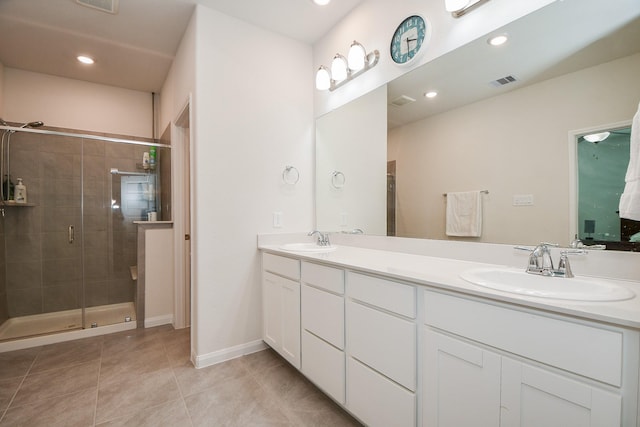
20,192
152,158
145,160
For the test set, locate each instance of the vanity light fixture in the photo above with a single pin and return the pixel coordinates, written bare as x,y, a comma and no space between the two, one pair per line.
460,7
344,69
597,137
85,59
431,94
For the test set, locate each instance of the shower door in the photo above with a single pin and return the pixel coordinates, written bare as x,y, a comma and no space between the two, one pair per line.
69,256
43,238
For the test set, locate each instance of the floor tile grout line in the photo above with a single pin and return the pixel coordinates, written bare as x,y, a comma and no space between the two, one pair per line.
175,378
95,406
15,393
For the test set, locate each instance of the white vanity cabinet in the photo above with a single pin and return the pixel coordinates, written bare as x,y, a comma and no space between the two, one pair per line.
545,370
381,350
281,306
322,305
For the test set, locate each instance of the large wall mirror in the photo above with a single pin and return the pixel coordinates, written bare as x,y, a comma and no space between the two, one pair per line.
502,122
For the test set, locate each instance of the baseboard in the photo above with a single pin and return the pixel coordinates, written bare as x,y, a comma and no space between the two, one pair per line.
150,322
223,355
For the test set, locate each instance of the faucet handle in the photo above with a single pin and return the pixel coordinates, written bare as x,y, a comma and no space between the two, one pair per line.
564,267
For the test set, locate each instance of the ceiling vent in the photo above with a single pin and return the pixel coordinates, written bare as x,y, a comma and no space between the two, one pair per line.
503,81
109,6
402,100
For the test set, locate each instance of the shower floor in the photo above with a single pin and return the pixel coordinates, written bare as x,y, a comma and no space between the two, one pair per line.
69,320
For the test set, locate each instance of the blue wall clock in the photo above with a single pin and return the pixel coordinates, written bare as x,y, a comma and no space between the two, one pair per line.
408,39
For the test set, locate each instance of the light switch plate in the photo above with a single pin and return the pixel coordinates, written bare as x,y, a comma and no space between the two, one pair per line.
277,220
523,200
343,218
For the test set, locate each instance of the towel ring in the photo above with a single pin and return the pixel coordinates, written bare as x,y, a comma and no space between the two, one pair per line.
337,179
290,175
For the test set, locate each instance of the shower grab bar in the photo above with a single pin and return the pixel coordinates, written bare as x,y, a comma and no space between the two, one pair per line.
71,234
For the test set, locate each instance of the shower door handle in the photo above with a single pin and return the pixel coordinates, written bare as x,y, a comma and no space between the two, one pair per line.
71,234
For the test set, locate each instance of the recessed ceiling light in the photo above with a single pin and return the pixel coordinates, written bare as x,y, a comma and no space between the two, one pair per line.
431,94
85,59
498,40
597,137
321,2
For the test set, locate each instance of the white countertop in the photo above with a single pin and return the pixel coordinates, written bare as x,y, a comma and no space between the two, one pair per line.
443,273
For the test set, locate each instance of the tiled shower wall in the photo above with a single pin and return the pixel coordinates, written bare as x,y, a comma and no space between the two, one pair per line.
65,176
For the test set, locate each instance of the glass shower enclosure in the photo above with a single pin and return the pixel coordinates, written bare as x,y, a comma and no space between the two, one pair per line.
68,255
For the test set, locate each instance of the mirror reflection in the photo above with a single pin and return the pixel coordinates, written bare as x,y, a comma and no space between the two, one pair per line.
514,139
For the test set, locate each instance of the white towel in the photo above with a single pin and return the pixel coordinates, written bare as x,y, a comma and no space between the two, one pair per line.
630,199
464,214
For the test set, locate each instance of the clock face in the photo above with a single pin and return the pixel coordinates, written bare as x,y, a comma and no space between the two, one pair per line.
408,39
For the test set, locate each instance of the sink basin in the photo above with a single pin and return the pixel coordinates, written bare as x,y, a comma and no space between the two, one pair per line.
307,247
520,282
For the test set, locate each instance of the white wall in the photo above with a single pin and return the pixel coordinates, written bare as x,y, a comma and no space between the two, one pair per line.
158,271
529,141
180,82
374,21
252,116
75,104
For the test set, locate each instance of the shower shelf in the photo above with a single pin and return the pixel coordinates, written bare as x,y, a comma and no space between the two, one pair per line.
6,204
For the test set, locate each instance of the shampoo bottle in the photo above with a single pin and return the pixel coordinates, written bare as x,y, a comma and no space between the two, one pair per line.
152,157
20,192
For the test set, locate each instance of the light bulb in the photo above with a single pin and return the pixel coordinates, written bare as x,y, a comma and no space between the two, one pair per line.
339,68
597,137
356,57
323,79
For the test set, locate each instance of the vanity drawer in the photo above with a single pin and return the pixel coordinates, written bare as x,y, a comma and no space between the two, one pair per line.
377,401
392,296
384,342
583,349
283,266
324,365
320,276
323,315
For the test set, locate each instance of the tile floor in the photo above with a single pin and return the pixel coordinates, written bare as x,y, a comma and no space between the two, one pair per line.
144,378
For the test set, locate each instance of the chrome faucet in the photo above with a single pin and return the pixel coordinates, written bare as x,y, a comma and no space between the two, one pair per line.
323,238
540,261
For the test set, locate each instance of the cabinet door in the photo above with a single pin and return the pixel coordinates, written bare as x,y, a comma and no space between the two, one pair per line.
271,310
290,297
534,397
281,316
461,383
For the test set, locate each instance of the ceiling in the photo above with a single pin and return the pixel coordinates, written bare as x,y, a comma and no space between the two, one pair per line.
134,48
558,39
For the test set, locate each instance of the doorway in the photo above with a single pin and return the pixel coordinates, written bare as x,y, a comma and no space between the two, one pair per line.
183,218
